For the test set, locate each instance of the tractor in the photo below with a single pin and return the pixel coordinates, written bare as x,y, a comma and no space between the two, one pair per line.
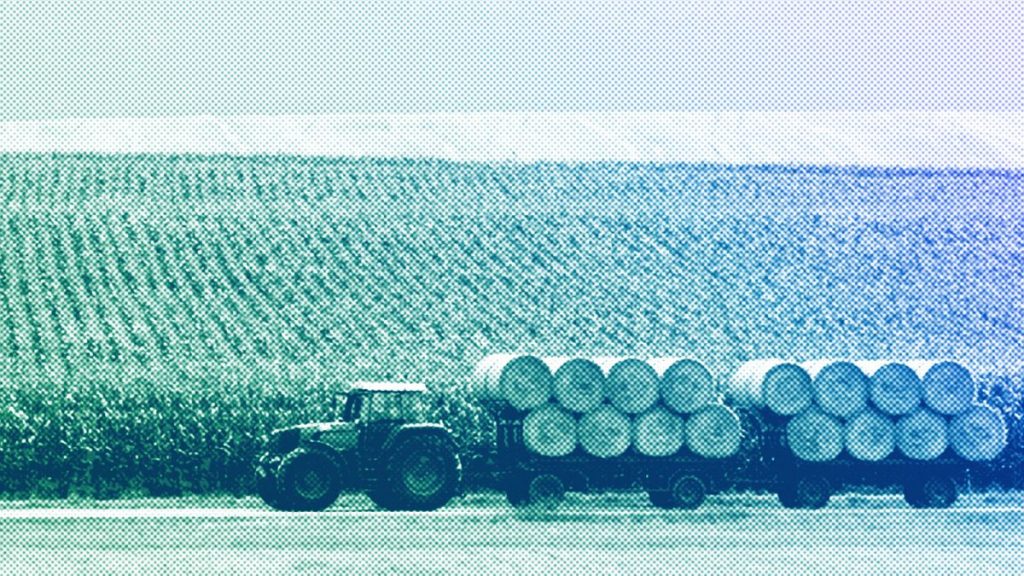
385,445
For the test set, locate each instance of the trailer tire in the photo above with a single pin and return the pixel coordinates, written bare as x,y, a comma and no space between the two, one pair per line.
934,491
687,492
546,491
810,492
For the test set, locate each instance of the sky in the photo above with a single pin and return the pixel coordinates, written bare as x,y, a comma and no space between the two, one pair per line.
155,59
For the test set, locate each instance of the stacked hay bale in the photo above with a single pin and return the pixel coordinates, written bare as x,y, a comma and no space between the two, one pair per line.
872,410
606,406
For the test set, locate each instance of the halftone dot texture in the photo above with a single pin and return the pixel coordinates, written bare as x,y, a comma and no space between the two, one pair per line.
161,313
173,289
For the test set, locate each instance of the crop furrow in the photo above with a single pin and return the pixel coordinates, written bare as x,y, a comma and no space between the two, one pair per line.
154,330
20,295
244,297
265,297
171,290
63,323
104,300
178,262
151,295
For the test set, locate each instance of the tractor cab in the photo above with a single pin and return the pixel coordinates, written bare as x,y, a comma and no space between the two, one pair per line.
368,402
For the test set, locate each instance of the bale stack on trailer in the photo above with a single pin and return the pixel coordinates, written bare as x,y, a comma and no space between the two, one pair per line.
523,381
606,406
872,410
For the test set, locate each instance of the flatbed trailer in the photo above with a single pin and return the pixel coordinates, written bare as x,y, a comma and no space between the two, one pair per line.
682,480
764,463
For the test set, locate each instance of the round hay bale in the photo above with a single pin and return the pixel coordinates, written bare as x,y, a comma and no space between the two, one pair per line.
978,433
921,435
658,432
783,387
631,385
946,387
521,380
686,385
893,388
840,388
714,431
605,432
550,430
870,436
578,383
815,436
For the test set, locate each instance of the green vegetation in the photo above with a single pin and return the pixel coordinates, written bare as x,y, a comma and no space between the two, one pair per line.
158,315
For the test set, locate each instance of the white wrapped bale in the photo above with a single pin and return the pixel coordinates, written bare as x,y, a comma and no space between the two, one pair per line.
921,435
870,436
783,387
840,388
631,385
714,431
893,388
550,431
946,387
578,383
521,380
979,433
815,436
658,432
686,385
605,432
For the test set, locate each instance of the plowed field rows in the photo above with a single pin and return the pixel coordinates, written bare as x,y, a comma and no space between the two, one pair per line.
281,277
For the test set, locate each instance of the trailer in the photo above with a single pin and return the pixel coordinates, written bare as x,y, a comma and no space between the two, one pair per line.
764,463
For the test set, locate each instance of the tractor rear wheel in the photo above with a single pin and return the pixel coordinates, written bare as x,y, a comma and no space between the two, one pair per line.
423,472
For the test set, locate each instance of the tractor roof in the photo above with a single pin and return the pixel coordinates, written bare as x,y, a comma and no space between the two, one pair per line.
388,387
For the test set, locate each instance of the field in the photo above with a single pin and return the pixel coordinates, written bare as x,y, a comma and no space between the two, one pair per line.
160,313
481,535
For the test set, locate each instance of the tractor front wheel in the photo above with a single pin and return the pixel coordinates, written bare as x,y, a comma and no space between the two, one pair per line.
308,480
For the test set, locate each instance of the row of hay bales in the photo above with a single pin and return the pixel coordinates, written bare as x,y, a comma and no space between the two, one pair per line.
873,409
604,406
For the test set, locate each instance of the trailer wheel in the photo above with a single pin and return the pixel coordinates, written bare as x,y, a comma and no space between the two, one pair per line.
546,491
810,492
936,491
687,492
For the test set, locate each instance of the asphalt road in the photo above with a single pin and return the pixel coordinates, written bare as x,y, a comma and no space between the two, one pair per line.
481,535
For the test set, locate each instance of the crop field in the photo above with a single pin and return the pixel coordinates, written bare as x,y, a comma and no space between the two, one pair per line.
481,534
158,314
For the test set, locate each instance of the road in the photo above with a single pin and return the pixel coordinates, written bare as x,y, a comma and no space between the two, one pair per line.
480,535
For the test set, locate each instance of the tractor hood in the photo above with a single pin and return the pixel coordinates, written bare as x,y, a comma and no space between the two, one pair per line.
339,435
